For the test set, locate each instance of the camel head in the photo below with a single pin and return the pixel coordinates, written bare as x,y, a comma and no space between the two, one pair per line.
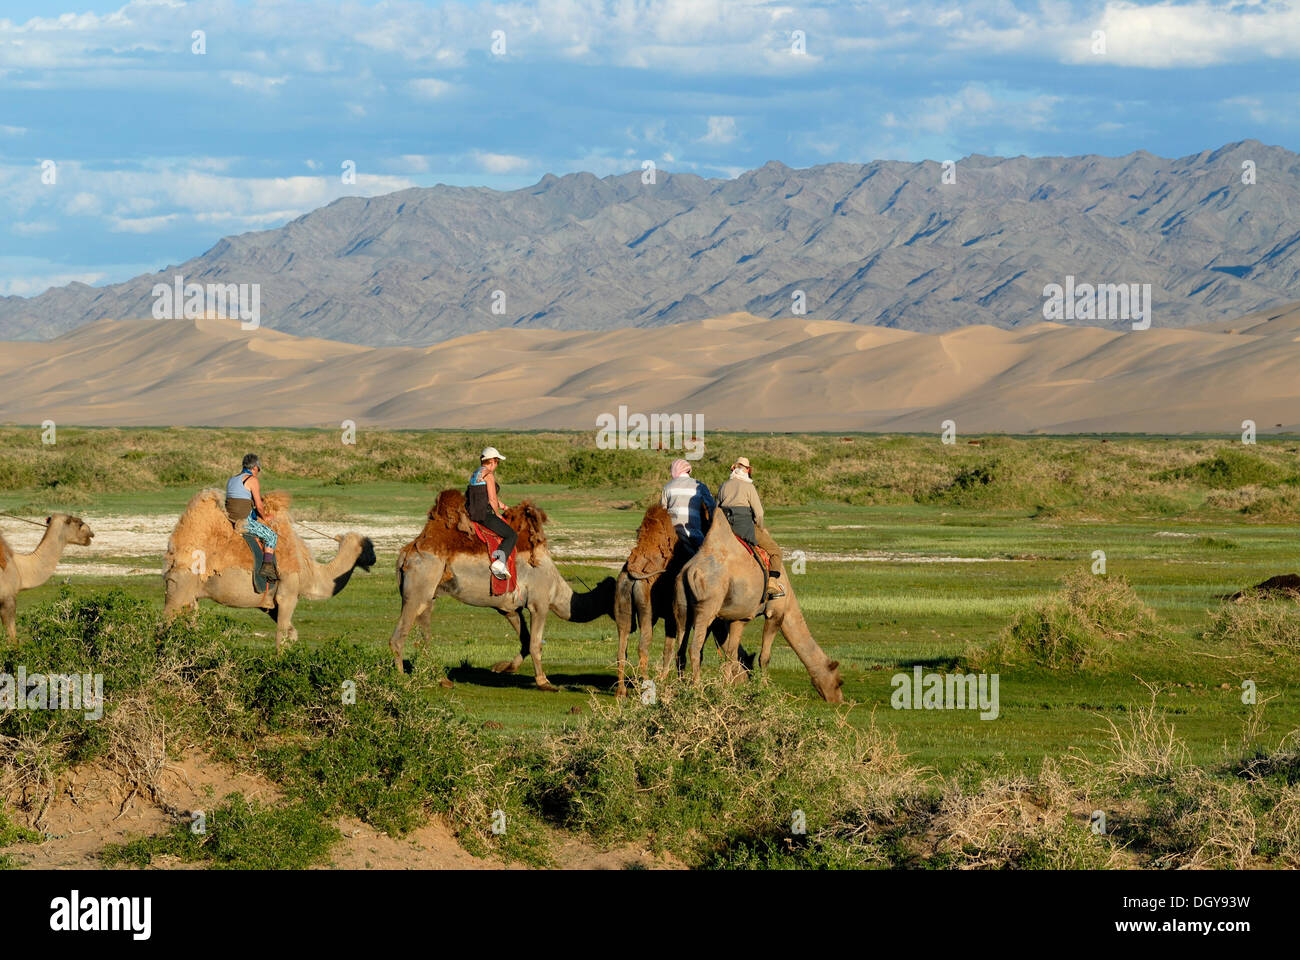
829,684
599,602
363,545
74,529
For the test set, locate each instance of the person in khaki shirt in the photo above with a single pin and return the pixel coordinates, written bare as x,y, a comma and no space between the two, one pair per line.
738,499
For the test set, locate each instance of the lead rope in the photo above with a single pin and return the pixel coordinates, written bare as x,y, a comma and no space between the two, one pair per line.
34,523
315,531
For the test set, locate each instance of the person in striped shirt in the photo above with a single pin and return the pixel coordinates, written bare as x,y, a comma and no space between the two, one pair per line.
685,499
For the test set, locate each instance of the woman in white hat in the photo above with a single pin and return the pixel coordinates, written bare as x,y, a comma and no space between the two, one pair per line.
738,499
485,507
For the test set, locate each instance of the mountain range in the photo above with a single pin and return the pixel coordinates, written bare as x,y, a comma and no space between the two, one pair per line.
885,244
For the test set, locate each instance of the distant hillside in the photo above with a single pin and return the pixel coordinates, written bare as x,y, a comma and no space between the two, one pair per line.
739,371
884,243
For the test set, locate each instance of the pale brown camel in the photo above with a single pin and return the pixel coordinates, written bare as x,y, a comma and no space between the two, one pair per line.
723,582
447,560
644,592
23,571
206,559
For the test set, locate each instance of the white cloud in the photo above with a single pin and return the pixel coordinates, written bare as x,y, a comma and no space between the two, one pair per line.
141,224
149,199
721,130
499,162
82,204
975,104
253,81
430,88
31,285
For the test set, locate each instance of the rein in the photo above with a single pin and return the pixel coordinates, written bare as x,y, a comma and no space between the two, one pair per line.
315,531
34,523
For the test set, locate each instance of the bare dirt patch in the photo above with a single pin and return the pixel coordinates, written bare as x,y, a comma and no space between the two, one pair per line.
93,809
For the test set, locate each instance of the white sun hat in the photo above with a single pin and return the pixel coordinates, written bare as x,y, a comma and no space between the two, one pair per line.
490,453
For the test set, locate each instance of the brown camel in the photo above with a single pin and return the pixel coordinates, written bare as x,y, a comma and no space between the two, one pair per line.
23,571
644,592
206,559
447,560
723,582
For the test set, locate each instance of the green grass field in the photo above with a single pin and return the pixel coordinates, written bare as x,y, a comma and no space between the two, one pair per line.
910,561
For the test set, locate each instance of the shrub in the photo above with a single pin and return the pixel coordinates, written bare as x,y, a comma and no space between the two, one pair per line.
1079,627
238,835
1259,623
1227,470
719,772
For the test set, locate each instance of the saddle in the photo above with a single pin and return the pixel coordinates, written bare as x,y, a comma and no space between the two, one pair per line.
761,556
493,542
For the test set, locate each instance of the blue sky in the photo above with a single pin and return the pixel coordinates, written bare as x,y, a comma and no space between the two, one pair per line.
159,151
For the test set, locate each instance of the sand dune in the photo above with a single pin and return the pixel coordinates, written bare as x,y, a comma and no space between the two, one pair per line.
738,371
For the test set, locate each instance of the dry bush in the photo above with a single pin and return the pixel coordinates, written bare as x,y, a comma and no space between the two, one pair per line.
1019,822
1080,627
1257,623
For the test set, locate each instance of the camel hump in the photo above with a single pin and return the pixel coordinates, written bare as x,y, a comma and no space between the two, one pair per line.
204,540
448,531
5,552
656,541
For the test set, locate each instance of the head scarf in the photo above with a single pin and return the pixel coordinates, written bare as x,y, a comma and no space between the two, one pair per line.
679,468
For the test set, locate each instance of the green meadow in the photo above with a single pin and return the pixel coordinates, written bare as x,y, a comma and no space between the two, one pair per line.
915,553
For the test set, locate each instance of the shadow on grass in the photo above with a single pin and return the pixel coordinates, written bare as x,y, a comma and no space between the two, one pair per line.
602,683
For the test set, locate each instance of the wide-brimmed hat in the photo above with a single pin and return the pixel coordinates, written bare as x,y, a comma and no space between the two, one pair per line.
741,462
490,453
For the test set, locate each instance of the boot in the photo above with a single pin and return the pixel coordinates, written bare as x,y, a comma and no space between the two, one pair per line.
500,570
269,569
774,590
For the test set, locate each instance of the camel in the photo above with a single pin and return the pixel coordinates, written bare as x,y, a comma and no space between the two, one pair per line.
23,571
723,582
643,593
206,559
447,560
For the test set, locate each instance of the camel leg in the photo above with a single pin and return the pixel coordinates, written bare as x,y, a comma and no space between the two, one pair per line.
623,620
397,642
769,634
731,667
284,628
525,641
645,614
8,611
413,612
676,631
537,621
423,620
705,612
